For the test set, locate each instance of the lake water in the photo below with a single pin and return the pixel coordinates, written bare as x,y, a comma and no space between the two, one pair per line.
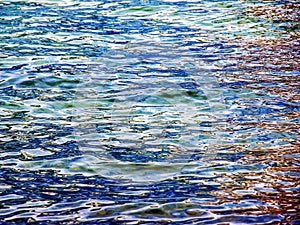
149,112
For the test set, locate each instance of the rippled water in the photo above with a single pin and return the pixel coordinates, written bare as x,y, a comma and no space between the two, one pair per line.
149,112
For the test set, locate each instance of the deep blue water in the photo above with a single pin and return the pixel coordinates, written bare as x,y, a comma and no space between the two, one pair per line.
149,112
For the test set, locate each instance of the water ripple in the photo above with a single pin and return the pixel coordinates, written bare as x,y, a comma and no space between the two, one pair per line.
147,112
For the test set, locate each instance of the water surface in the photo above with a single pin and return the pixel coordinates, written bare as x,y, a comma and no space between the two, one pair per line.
149,112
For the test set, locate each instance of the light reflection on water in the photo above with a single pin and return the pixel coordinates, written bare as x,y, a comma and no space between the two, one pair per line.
149,112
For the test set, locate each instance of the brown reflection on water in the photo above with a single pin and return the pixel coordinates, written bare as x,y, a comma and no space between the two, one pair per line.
286,15
270,67
272,59
272,190
279,183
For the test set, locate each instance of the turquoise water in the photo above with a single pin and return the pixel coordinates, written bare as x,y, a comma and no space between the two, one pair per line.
149,112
